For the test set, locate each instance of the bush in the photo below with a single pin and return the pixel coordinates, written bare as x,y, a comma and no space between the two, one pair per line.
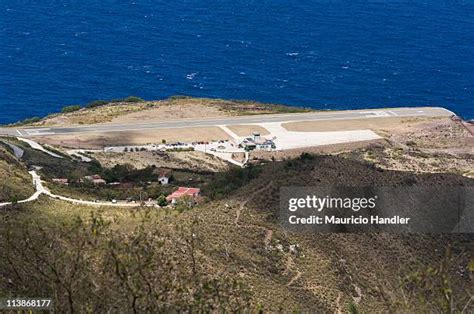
69,109
162,201
33,119
306,156
133,99
177,97
96,103
226,182
181,149
30,120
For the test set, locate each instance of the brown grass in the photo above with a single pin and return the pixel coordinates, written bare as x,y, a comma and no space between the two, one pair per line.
99,140
382,124
172,111
247,130
323,149
192,160
156,111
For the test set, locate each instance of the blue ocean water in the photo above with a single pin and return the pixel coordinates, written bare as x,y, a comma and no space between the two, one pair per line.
321,54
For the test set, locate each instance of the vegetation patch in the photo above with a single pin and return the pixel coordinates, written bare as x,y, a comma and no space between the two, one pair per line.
15,181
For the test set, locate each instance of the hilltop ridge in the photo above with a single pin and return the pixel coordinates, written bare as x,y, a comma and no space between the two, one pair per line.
133,109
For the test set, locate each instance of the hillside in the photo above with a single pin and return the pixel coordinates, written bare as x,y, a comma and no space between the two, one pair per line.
15,182
231,252
136,110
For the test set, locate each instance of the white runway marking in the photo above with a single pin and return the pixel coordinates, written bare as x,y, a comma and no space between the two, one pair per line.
369,114
42,131
229,132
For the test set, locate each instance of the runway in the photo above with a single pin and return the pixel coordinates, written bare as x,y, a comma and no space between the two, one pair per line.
185,123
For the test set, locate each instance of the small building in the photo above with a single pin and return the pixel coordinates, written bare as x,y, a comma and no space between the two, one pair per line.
182,192
62,181
265,144
96,179
164,176
256,142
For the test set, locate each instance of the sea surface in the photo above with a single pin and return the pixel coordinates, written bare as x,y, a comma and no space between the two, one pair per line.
323,54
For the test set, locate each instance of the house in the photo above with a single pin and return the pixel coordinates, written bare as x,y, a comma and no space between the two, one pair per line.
96,179
164,177
61,181
182,192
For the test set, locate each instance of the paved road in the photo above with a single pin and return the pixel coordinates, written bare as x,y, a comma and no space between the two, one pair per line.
17,151
41,189
185,123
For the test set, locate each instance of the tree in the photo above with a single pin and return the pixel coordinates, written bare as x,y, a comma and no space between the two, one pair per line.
162,200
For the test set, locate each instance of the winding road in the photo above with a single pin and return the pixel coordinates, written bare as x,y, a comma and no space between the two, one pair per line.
41,189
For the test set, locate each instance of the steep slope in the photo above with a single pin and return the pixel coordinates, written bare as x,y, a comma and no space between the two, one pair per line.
232,253
330,271
15,182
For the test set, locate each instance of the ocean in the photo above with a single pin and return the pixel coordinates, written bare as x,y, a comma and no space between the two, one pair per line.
325,54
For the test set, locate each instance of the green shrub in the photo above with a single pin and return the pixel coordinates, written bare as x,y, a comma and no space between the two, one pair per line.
306,156
115,100
162,200
96,103
352,308
69,109
133,99
177,97
26,121
180,149
226,182
33,119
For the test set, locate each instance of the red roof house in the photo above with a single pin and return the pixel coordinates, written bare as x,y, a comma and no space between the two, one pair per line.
61,181
183,192
96,179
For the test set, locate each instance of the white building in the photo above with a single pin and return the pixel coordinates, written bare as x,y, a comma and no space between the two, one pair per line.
258,143
163,176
